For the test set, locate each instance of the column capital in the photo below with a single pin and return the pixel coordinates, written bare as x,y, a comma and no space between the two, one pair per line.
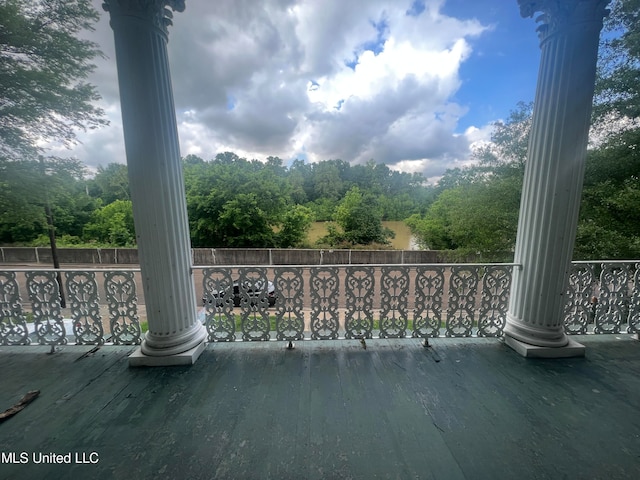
155,11
559,15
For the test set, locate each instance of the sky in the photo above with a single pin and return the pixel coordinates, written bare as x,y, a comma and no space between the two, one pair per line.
412,84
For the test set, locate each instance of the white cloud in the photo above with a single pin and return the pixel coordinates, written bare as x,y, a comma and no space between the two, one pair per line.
478,137
383,82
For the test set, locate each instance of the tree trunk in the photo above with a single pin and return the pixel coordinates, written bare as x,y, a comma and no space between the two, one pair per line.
54,251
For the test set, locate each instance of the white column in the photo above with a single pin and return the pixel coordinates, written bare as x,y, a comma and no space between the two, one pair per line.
175,337
569,32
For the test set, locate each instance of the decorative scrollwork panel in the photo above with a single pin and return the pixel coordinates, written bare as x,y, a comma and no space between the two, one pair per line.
612,304
463,287
496,283
218,298
359,285
85,308
289,288
578,311
429,291
13,324
44,294
122,299
394,295
254,303
325,290
634,303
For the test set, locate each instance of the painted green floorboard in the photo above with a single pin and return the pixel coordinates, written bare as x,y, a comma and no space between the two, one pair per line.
462,409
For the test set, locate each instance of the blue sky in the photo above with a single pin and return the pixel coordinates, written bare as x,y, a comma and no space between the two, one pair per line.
413,84
504,67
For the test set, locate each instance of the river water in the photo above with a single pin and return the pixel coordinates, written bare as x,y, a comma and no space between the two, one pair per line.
403,240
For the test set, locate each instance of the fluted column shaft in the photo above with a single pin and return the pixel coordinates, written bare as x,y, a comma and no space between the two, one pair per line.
155,174
550,202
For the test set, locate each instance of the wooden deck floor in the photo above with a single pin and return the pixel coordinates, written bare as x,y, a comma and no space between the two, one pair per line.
463,409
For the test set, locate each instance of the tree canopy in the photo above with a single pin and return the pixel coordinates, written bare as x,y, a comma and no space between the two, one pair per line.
359,219
33,190
44,99
618,81
476,210
236,202
43,70
231,202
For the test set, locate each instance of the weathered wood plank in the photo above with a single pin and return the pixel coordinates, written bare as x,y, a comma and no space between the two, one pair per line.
329,410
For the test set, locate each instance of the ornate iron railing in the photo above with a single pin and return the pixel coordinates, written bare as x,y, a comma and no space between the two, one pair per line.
603,297
83,321
356,301
311,302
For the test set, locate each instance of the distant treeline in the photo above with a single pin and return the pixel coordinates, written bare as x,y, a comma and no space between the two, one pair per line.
231,201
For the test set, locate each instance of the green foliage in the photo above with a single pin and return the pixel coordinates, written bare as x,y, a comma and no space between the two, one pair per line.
323,209
295,226
480,218
398,194
327,180
609,226
112,225
618,81
44,98
244,223
43,71
233,202
396,207
509,141
110,183
68,241
29,187
476,211
360,221
21,209
236,202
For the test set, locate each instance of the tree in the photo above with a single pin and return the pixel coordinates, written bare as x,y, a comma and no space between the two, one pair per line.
112,225
110,183
233,202
44,96
295,226
327,180
32,192
43,71
509,141
21,209
297,176
609,226
609,223
243,223
360,220
618,79
476,211
37,196
480,218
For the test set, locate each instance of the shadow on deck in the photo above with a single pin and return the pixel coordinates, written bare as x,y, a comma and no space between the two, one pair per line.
465,408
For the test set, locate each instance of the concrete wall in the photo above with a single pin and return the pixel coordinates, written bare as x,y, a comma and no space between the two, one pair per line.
97,256
224,256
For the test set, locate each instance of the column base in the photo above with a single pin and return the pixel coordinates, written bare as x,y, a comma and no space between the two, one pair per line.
572,349
139,359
